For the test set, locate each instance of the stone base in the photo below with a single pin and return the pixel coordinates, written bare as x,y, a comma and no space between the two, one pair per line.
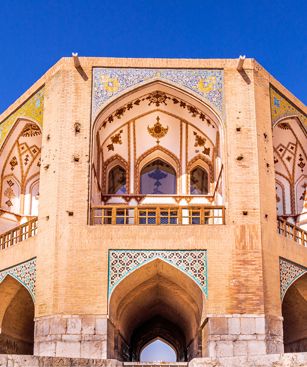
268,360
241,335
272,360
71,336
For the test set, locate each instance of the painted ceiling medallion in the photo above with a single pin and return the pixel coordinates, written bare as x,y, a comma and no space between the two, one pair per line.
30,130
157,131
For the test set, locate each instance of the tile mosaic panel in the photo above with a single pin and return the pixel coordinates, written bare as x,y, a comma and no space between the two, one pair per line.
281,107
25,273
32,108
289,272
109,82
191,262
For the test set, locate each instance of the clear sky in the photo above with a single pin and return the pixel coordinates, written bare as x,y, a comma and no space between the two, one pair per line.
35,34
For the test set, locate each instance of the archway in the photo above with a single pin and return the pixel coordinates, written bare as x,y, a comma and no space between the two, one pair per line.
16,318
294,311
155,301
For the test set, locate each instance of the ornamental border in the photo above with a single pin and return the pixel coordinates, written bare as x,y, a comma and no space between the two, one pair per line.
28,283
203,287
286,282
211,93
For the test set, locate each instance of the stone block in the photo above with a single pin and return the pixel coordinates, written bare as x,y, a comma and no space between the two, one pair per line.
88,325
248,325
240,348
58,325
68,349
42,327
212,349
224,349
74,325
47,349
218,326
275,327
101,326
260,325
256,347
91,349
234,325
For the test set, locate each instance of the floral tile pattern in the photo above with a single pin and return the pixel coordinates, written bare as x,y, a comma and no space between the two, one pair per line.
32,108
281,107
109,82
191,262
289,272
25,273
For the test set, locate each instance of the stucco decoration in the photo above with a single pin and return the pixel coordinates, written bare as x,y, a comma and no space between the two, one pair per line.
32,109
191,262
25,273
289,273
282,107
109,82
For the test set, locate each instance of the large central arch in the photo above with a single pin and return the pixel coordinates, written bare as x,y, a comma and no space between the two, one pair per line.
155,301
159,118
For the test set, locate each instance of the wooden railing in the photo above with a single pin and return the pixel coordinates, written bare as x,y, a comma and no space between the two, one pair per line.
18,234
291,231
157,215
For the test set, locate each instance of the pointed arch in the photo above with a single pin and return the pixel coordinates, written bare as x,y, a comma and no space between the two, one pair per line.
151,297
152,154
16,317
294,312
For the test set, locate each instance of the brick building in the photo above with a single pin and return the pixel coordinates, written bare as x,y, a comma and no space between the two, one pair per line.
153,198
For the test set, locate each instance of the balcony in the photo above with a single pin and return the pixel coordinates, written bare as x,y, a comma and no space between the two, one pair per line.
291,231
18,234
157,215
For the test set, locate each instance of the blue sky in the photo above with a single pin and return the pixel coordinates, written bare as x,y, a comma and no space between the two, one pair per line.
35,34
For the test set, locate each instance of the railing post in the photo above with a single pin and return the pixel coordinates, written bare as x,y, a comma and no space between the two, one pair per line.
179,215
113,219
158,219
29,226
92,216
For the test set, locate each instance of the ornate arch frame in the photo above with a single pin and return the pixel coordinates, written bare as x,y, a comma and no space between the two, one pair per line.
150,155
203,162
115,160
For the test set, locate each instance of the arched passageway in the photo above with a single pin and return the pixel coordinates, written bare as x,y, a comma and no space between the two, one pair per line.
16,318
156,301
294,311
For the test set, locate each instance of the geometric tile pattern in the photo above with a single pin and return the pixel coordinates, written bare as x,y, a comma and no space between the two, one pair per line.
193,263
289,272
108,82
282,107
25,273
32,108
